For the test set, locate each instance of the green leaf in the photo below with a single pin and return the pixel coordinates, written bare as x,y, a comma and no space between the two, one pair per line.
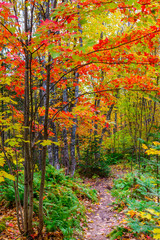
112,5
55,54
130,2
90,43
37,35
137,5
83,21
154,99
51,46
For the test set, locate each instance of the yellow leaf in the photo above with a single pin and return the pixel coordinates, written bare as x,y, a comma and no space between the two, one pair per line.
4,174
144,146
153,212
2,161
146,215
48,142
1,179
9,176
156,143
132,213
156,232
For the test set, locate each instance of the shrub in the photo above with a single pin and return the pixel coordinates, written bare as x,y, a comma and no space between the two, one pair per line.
117,233
138,195
93,162
7,191
100,168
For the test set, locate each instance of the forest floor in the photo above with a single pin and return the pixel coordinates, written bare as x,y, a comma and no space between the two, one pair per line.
102,217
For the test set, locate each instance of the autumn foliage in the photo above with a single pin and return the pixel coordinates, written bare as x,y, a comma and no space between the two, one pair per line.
66,81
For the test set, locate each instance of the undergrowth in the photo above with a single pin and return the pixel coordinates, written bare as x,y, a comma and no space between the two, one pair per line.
63,208
137,197
95,162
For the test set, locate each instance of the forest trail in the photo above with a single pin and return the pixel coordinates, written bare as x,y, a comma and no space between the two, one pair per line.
101,216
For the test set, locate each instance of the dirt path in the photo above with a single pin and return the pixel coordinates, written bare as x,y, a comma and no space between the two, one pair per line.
101,216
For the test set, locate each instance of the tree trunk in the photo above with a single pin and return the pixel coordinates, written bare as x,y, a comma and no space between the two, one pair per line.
50,154
26,131
65,159
44,148
73,132
77,147
55,148
97,153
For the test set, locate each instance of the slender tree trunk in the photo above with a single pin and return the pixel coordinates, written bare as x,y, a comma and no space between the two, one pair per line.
65,159
31,162
97,154
2,132
53,149
50,154
42,95
72,149
28,134
73,132
77,148
26,129
74,141
44,148
105,129
158,179
115,130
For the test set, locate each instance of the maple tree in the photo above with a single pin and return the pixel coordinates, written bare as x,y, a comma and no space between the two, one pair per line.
48,50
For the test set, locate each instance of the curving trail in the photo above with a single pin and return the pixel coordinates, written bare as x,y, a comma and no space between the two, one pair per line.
101,217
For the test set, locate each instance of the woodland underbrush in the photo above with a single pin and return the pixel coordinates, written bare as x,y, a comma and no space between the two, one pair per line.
138,197
96,163
62,203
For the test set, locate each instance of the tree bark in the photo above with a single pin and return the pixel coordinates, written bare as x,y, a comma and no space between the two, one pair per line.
26,130
55,148
73,131
65,159
44,148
